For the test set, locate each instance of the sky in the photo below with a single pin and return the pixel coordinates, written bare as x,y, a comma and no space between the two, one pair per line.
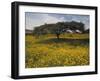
33,19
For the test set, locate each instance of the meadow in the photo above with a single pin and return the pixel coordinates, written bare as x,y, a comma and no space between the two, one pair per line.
48,51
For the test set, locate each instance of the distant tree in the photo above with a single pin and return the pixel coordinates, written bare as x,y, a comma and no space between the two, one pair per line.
76,25
86,31
36,32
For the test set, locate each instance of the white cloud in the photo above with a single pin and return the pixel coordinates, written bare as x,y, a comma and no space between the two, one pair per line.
51,19
41,19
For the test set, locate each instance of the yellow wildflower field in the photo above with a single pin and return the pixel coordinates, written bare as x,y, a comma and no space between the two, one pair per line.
48,51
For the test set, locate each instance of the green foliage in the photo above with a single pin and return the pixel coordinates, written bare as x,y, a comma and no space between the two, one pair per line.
57,28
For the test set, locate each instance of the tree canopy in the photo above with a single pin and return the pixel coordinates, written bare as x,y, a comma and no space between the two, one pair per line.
58,28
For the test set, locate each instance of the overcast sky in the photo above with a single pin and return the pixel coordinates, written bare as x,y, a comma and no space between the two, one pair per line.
36,19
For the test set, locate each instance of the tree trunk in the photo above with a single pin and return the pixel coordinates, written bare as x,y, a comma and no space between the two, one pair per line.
57,36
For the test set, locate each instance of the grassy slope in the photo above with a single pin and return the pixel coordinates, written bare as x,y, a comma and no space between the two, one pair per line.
47,51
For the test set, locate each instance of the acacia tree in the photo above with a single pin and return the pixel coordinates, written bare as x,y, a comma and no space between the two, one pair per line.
58,28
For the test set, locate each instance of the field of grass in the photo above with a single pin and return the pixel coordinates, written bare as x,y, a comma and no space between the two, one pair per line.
48,51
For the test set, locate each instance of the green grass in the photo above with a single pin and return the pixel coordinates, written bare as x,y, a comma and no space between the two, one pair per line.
48,51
